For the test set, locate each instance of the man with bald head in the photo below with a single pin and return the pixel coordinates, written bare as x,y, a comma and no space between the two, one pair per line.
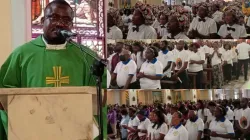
243,124
180,66
243,51
194,126
49,60
124,74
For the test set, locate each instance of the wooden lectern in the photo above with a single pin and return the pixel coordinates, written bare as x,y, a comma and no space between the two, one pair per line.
64,113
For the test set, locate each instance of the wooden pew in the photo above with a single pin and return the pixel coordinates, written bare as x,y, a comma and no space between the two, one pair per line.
168,84
208,82
192,76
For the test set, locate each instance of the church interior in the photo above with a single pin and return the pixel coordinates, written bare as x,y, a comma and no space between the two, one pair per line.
166,96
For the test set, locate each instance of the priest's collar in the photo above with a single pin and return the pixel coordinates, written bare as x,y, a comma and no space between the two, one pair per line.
54,47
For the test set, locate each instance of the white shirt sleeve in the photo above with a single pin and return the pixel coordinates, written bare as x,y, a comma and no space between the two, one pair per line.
243,32
132,68
191,26
115,71
229,127
213,27
201,126
184,135
158,68
221,31
203,57
142,67
248,22
164,129
135,122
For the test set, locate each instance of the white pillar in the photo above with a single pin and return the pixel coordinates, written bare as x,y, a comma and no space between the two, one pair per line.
5,28
21,22
194,93
132,97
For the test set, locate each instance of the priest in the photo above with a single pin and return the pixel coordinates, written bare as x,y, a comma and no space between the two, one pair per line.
49,60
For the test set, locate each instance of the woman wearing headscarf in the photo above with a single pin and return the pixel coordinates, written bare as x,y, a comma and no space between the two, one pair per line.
202,26
217,15
232,29
163,19
142,21
114,20
176,26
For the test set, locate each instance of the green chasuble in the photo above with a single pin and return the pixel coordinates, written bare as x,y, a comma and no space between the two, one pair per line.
32,65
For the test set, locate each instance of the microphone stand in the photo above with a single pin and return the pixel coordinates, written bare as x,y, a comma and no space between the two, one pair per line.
97,70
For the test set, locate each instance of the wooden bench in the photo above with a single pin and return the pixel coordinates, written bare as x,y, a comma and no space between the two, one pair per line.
192,76
168,84
208,82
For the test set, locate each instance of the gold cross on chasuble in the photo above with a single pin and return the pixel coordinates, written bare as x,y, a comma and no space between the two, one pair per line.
58,79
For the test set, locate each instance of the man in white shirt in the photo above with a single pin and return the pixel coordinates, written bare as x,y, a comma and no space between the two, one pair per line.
180,66
125,71
243,124
243,50
194,126
166,58
143,125
230,113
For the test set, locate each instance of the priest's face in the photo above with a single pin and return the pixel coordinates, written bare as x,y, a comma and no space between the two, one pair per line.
57,17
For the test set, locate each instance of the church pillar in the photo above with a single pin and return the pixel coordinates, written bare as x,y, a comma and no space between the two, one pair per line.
132,97
194,94
21,22
167,96
204,94
5,28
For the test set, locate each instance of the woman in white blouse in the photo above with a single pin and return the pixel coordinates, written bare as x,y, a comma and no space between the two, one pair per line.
196,60
158,128
178,131
142,21
175,28
138,54
115,20
220,127
232,29
215,56
151,70
227,58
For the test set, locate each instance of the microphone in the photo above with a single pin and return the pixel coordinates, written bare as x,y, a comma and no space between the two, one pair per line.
66,33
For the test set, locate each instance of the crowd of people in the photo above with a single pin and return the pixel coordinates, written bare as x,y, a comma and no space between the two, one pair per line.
140,65
186,120
205,20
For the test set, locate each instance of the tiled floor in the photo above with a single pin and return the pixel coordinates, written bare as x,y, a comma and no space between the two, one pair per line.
238,84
